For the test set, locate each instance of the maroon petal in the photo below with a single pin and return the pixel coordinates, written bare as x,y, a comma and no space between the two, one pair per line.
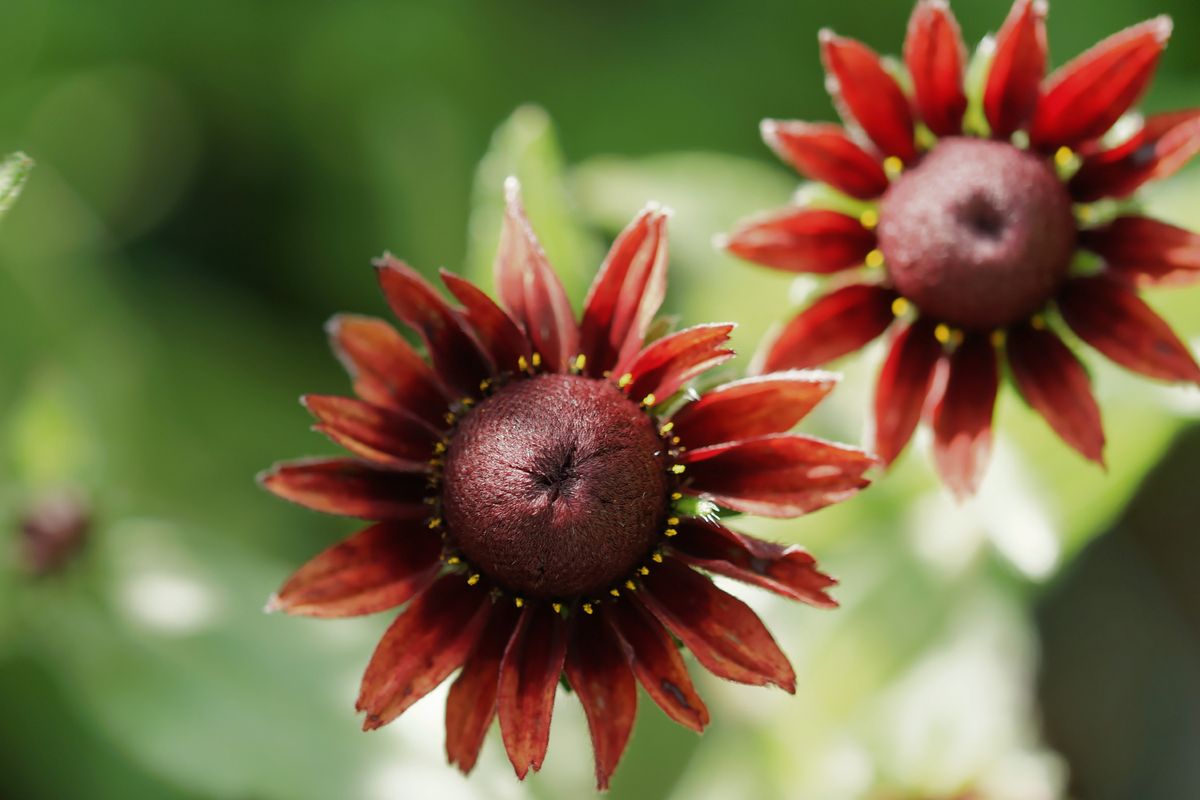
664,366
392,438
529,288
496,330
936,57
962,417
1111,318
1011,94
349,488
377,568
903,386
1084,97
777,476
602,680
721,631
1053,381
751,407
528,679
789,571
429,640
838,323
1146,250
454,352
868,95
1164,144
626,293
386,371
802,240
824,152
471,704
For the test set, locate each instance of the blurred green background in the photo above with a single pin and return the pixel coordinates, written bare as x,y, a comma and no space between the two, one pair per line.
212,179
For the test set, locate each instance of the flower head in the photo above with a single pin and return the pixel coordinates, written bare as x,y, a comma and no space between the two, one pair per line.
544,493
979,228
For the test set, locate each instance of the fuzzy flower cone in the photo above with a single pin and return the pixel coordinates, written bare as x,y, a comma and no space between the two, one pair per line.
546,499
986,225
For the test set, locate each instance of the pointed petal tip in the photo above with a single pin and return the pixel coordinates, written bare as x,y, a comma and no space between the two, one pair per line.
273,604
1162,25
512,188
720,241
827,36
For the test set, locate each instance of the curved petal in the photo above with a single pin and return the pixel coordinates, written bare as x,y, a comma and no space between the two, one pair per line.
348,487
936,58
802,240
1164,144
1147,250
601,678
392,438
529,674
471,703
505,342
903,387
664,366
962,416
838,323
1113,319
1011,94
786,570
1056,385
824,152
1084,97
867,94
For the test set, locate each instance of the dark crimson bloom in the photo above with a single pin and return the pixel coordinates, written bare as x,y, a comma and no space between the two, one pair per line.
977,227
544,495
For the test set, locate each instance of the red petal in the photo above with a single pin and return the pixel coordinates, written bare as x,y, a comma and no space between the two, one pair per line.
721,631
601,678
385,369
656,662
1164,144
1146,250
868,95
1113,319
626,293
962,417
1053,381
348,487
529,288
496,330
1083,98
824,152
751,407
802,240
375,569
471,704
789,571
665,365
838,323
783,475
392,438
903,386
429,640
936,57
1011,95
528,679
454,352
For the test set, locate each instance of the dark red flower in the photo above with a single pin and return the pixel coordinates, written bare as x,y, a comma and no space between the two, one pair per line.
971,219
544,494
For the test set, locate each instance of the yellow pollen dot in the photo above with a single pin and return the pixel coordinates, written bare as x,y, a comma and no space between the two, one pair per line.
630,585
467,401
656,558
615,592
669,532
1038,322
1063,156
676,495
537,359
1084,213
673,521
522,363
942,333
678,469
453,560
675,440
625,380
643,571
474,579
587,608
649,399
439,448
518,601
557,607
484,384
450,417
893,166
997,338
869,218
436,522
667,428
580,362
900,306
875,259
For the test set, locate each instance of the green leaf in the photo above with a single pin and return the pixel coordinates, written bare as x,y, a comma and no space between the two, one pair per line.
14,171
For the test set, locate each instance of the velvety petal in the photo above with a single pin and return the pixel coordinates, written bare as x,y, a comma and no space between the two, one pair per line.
471,703
429,640
751,407
722,632
626,294
786,570
1111,318
1056,385
1014,78
375,569
1084,97
1164,144
456,354
936,58
664,366
528,679
348,487
838,323
904,384
529,288
385,369
802,240
867,94
824,152
656,662
783,475
601,678
504,341
962,417
1147,250
392,438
